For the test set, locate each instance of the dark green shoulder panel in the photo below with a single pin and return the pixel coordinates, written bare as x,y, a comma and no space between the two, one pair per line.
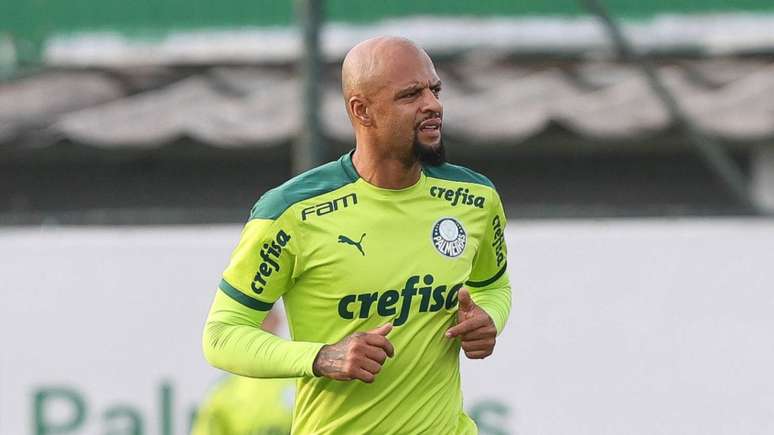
315,182
450,172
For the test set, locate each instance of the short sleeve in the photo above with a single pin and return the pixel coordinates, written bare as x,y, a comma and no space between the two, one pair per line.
490,262
262,266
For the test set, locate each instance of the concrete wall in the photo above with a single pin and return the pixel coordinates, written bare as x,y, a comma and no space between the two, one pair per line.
618,327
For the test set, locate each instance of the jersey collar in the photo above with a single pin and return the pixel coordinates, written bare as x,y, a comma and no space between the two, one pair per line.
349,169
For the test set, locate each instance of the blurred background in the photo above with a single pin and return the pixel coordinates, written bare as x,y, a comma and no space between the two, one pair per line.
632,143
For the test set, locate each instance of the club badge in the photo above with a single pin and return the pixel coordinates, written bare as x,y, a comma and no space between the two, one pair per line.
449,237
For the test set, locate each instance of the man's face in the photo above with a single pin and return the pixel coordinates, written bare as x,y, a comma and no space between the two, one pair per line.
407,109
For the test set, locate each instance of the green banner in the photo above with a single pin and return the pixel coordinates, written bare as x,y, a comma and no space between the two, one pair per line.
31,19
29,23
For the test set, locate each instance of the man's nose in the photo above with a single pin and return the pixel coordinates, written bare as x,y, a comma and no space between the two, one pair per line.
431,103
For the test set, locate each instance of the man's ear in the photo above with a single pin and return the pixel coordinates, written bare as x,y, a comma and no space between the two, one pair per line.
358,107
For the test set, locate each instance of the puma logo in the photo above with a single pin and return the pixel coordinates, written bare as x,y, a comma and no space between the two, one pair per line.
348,241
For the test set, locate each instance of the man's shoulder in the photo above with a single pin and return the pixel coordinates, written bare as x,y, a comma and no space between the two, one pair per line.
451,172
314,182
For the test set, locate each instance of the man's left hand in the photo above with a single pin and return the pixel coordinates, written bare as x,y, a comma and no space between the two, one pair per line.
475,328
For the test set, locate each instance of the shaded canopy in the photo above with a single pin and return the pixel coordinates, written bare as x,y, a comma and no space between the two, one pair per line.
486,100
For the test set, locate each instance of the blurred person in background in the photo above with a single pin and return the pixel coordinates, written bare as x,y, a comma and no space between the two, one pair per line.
238,405
388,252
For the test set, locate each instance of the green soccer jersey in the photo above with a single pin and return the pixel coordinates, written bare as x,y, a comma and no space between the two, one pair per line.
346,256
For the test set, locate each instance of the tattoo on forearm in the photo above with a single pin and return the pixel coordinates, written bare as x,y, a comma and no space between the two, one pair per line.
330,360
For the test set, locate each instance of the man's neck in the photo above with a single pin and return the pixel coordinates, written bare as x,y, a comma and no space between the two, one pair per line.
387,172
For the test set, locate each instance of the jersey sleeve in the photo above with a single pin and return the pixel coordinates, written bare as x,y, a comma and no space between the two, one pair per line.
262,268
488,283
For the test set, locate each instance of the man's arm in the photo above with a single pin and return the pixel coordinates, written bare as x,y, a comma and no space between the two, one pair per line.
495,300
234,341
262,268
489,284
485,305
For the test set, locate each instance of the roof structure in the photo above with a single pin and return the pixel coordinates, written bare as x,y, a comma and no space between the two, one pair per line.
488,98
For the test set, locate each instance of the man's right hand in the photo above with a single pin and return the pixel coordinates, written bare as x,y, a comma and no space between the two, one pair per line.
358,356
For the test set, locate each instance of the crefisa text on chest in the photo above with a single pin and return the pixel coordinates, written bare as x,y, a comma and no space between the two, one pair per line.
460,195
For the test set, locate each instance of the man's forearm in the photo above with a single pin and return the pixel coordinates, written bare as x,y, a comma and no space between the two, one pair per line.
234,341
496,302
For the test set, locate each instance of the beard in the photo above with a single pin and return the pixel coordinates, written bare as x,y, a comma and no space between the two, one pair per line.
428,154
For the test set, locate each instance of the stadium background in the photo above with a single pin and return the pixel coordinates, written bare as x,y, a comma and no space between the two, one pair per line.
638,176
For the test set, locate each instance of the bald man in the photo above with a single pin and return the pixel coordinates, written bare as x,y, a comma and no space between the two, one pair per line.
388,260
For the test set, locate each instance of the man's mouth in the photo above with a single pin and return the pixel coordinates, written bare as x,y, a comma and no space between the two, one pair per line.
430,125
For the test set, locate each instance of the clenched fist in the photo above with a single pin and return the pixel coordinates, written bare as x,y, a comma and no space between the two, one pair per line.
475,328
358,356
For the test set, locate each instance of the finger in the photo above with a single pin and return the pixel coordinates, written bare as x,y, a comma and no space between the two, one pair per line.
381,342
483,332
466,303
363,375
485,344
478,354
376,354
370,366
382,330
467,326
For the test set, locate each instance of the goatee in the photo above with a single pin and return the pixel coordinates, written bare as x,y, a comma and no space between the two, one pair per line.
428,154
